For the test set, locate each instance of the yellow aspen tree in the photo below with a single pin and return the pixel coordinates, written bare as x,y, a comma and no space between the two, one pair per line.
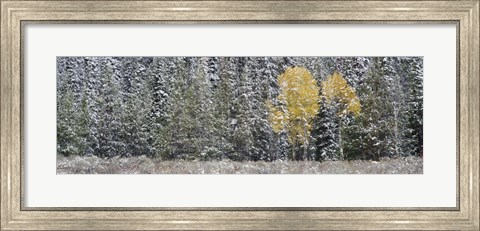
298,104
335,89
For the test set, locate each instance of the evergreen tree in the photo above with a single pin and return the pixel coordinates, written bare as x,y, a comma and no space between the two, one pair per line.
72,114
266,141
162,73
377,116
242,133
71,137
413,134
200,100
137,129
325,133
91,71
109,103
212,69
223,102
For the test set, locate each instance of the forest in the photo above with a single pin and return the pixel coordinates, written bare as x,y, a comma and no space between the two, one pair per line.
240,108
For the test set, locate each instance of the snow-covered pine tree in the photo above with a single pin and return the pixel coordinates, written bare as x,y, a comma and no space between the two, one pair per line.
137,129
91,80
243,114
109,102
71,111
353,69
161,74
212,68
413,84
266,140
393,75
325,133
202,112
70,138
191,123
223,102
325,127
178,125
377,112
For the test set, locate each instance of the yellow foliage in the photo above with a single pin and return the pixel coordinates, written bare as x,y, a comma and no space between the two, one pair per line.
298,104
336,88
277,117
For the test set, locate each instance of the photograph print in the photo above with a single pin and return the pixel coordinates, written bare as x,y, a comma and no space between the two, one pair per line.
239,115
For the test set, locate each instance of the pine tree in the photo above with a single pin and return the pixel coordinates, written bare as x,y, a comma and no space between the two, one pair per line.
267,90
413,133
201,103
353,69
377,116
70,140
162,74
71,116
243,110
89,105
212,68
223,101
137,124
177,126
325,133
109,123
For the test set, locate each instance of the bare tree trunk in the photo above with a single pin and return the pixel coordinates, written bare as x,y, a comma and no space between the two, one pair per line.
305,143
293,151
395,129
340,143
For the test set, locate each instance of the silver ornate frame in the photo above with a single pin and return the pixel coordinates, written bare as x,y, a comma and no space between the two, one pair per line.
16,14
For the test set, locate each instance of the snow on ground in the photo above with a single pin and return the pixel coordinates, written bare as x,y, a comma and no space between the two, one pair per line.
145,165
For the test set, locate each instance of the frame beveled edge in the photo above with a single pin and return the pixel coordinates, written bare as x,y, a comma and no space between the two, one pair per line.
13,217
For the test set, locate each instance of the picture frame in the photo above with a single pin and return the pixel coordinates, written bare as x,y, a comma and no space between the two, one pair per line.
15,216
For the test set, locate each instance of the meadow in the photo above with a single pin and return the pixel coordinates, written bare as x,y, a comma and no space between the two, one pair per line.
146,165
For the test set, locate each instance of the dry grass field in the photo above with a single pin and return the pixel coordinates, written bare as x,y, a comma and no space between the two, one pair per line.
145,165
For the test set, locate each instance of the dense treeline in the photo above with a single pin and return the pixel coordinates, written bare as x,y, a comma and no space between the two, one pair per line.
240,108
